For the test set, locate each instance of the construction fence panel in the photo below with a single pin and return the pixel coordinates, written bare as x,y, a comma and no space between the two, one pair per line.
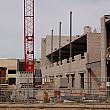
91,91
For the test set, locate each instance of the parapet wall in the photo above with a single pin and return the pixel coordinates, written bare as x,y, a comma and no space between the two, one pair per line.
78,63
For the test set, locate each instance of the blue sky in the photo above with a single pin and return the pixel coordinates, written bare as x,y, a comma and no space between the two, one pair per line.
48,15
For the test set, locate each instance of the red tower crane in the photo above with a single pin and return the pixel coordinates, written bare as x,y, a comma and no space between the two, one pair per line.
29,35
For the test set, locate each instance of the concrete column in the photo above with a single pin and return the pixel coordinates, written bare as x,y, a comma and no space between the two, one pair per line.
77,81
70,81
103,48
86,81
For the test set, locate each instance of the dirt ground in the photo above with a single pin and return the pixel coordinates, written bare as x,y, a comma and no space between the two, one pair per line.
53,107
48,109
38,109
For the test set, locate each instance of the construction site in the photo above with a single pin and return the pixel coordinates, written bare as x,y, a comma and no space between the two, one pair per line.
73,73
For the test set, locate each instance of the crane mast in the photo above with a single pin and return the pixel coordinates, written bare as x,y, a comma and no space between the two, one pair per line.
29,35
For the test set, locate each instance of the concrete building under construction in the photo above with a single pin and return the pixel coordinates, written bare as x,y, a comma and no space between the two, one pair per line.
88,67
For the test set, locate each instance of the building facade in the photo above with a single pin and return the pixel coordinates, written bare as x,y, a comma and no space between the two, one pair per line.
13,67
81,71
105,50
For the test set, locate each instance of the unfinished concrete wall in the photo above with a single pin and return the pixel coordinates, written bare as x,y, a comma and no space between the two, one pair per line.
77,66
43,52
94,47
63,69
94,59
46,47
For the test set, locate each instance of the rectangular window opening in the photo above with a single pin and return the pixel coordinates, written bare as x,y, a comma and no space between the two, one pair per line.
11,71
82,80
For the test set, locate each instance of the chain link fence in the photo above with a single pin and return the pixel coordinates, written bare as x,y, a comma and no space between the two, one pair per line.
94,91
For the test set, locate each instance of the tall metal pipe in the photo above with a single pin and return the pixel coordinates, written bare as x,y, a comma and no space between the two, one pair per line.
70,33
52,47
60,42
